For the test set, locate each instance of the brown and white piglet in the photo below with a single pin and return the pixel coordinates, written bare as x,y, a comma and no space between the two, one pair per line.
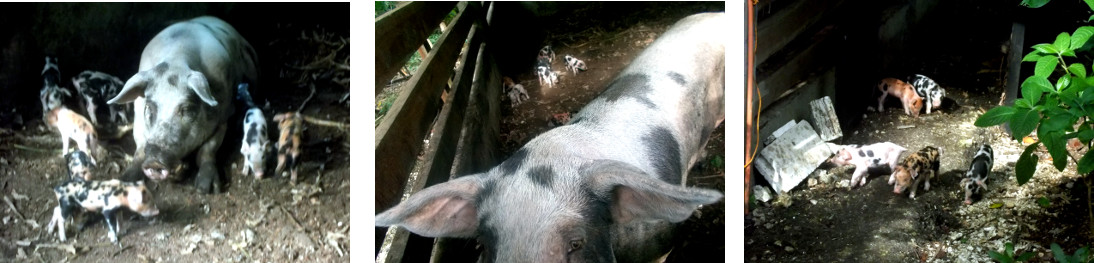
918,167
291,125
100,196
72,125
902,90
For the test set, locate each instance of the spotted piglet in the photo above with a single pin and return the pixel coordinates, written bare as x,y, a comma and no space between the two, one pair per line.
574,64
105,196
255,142
96,88
546,53
917,168
79,165
978,172
73,126
516,92
291,125
545,74
926,88
52,94
902,90
868,157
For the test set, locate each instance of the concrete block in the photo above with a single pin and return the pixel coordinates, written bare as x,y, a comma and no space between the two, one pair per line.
792,157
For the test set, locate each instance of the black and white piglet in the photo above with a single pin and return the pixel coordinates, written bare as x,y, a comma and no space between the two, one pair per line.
255,141
545,74
574,64
873,156
516,92
96,88
978,172
927,89
105,196
52,94
547,53
79,165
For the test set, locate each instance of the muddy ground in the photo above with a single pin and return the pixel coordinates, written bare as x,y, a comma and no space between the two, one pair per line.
822,220
266,220
607,43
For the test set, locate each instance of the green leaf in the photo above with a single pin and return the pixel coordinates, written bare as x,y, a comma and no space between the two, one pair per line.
1023,103
1048,49
1063,82
1033,56
1036,83
1009,248
999,257
1027,163
1063,41
1090,19
1081,35
1086,164
1078,70
1056,146
995,116
1034,3
1043,202
1045,66
1068,53
1085,134
1057,120
1023,122
1058,253
1024,257
1089,3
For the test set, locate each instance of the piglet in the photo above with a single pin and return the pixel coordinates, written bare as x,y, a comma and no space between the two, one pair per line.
917,168
978,172
545,74
96,88
574,64
291,125
516,92
929,90
867,157
75,127
105,196
79,165
255,142
547,53
52,94
902,90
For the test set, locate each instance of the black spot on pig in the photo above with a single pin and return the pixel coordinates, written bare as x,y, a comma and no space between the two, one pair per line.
636,86
161,68
80,194
861,153
514,162
173,80
869,153
664,153
486,191
542,176
678,78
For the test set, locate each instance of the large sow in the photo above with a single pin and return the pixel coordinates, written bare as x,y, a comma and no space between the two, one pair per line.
183,98
609,185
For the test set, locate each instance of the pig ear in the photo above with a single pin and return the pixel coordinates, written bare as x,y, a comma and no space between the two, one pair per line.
443,210
637,195
200,85
134,88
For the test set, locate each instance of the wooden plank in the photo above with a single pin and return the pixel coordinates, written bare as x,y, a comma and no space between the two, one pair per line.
824,119
402,30
399,135
775,85
479,145
775,32
442,144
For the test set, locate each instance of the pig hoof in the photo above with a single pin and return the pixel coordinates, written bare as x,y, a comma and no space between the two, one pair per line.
207,183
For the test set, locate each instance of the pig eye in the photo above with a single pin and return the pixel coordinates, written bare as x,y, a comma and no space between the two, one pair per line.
575,245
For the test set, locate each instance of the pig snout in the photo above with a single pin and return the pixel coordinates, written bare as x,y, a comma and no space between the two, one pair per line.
161,167
150,211
968,202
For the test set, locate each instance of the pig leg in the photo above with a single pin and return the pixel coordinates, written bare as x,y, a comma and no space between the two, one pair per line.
881,101
64,143
208,178
295,157
860,172
111,224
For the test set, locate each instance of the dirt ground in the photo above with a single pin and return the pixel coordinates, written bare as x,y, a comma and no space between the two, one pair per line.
823,220
265,220
607,45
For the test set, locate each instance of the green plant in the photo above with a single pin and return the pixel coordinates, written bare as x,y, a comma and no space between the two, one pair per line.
1081,256
1007,255
1057,102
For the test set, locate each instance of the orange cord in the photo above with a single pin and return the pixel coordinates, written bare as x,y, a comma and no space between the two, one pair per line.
749,85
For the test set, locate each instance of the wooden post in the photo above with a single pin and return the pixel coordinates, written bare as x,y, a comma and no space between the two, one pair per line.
1014,59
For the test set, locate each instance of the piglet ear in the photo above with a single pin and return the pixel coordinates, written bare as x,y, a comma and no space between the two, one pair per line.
134,88
636,195
443,210
200,85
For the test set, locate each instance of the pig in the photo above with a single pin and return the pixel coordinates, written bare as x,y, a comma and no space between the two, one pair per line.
977,174
545,74
902,90
52,94
182,98
73,126
97,87
546,53
95,196
255,142
79,165
929,90
516,93
291,125
878,155
574,64
917,168
607,187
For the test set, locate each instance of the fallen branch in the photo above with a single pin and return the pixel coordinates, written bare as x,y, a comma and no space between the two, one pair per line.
905,126
16,210
322,122
307,99
28,148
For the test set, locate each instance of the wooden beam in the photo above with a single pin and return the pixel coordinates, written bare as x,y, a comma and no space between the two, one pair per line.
400,31
399,135
775,32
779,81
